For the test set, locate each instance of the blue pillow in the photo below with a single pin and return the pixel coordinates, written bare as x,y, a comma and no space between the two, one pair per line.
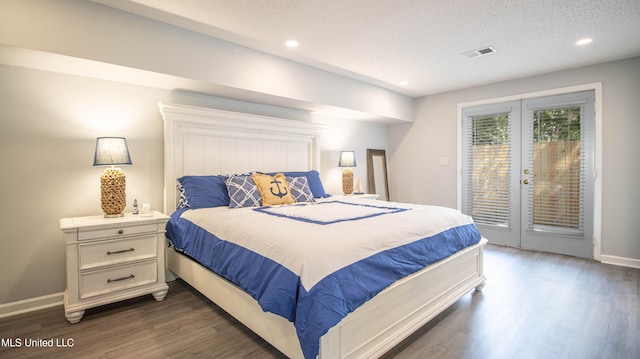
313,180
203,191
300,190
243,192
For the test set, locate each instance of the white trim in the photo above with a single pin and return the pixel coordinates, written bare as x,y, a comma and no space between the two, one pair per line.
597,200
31,305
620,261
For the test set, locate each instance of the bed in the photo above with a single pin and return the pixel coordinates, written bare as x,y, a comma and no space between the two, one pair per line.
366,314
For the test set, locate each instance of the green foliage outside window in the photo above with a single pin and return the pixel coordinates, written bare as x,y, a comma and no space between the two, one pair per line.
558,124
491,130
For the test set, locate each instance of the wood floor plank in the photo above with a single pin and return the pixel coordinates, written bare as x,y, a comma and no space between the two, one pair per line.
535,305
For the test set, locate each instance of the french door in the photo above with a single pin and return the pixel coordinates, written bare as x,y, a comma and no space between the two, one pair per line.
528,177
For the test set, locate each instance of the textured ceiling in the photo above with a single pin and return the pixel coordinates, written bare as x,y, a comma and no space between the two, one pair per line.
422,41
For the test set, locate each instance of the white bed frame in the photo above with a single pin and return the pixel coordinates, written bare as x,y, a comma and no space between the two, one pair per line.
206,141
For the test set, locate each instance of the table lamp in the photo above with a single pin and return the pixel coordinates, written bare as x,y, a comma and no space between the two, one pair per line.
348,160
112,151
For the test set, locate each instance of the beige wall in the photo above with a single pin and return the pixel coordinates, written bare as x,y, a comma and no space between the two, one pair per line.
48,127
417,176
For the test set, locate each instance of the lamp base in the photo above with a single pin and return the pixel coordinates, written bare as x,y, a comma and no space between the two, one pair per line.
347,181
113,192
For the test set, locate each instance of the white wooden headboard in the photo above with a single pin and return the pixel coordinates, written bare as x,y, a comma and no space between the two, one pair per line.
204,141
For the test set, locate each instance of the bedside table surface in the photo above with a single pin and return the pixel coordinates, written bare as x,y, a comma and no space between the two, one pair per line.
100,220
358,196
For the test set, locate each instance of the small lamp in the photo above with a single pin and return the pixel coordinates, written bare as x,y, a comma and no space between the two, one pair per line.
347,159
112,151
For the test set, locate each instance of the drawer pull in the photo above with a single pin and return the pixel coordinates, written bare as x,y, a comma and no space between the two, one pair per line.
120,231
120,251
131,276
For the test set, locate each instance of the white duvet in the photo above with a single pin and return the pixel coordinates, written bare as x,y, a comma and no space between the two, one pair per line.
341,232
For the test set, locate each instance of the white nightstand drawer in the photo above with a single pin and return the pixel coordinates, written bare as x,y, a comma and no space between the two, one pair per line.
119,278
99,254
116,231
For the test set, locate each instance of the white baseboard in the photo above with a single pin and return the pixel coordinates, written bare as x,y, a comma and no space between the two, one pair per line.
31,305
620,261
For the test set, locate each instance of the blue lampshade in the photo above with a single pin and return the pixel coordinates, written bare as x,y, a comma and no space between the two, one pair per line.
111,151
347,159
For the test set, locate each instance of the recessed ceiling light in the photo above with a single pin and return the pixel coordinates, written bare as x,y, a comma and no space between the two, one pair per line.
404,82
584,41
291,43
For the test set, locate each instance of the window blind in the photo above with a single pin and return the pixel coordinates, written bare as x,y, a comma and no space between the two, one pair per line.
488,166
556,155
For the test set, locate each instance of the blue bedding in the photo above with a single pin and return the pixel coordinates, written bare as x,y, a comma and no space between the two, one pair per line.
315,296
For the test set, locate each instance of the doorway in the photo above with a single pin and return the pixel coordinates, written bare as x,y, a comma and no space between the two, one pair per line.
527,172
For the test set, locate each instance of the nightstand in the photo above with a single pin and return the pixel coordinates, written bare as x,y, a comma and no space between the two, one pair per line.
360,196
112,259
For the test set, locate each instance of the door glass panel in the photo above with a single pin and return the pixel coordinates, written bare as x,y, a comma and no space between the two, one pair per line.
558,168
490,166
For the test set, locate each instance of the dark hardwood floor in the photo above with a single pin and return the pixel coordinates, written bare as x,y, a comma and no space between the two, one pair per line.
535,305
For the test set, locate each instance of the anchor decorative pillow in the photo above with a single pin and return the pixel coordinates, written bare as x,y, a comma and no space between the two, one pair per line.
274,190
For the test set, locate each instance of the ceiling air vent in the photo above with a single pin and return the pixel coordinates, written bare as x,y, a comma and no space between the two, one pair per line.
481,51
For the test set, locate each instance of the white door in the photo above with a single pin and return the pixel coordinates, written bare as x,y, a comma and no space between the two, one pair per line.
528,172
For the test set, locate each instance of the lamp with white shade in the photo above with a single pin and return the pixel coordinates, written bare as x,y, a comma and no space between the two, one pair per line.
348,160
112,151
